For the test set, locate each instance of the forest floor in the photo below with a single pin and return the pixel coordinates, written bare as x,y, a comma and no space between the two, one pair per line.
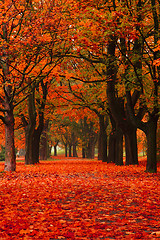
79,199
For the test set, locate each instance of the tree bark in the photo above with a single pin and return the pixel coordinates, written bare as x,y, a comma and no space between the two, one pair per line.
55,150
44,143
149,128
36,145
124,123
131,146
92,138
119,147
66,150
112,148
75,151
112,141
102,139
33,135
117,107
91,150
83,152
43,151
29,129
74,142
7,102
152,146
10,156
70,150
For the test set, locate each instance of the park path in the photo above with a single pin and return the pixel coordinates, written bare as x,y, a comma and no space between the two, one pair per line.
79,199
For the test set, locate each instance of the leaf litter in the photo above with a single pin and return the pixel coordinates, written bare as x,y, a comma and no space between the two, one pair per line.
81,199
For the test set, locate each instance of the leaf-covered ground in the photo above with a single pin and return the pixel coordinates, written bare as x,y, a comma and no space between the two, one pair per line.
75,199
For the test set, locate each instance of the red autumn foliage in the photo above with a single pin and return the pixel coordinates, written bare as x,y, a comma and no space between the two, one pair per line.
75,199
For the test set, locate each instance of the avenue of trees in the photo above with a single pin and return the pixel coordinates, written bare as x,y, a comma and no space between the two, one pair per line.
87,72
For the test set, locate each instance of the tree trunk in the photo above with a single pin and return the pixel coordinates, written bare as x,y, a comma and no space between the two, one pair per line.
44,143
112,141
115,154
55,150
123,121
89,138
84,137
36,145
43,152
29,131
30,128
102,140
34,139
32,145
49,150
150,129
90,150
10,156
7,102
43,148
151,146
83,152
112,148
66,150
119,147
74,151
74,142
70,150
131,146
116,104
92,138
121,117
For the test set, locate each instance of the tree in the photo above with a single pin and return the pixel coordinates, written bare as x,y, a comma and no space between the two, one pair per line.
123,42
11,75
31,36
33,132
143,63
44,142
83,90
115,153
91,45
64,131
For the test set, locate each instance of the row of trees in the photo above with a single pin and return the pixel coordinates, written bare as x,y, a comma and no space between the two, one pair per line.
82,139
76,57
73,136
